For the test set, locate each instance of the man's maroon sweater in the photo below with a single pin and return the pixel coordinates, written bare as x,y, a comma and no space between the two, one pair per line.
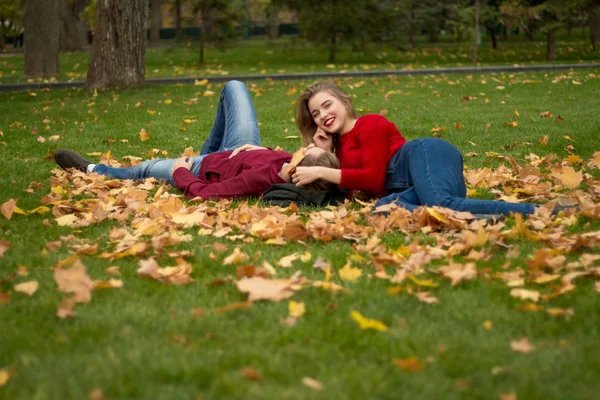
249,173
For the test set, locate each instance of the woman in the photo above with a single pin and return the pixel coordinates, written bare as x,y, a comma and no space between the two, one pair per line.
226,167
375,157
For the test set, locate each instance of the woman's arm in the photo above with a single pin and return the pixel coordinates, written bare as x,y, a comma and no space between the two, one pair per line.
306,175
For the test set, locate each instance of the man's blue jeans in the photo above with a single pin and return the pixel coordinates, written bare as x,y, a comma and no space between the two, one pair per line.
235,125
428,172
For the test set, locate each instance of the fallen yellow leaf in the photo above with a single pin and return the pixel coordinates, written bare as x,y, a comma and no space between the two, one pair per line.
367,323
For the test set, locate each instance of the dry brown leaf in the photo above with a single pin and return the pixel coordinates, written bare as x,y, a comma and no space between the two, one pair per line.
568,177
522,345
144,135
459,272
242,305
28,288
236,257
287,261
426,297
259,288
4,245
75,280
525,294
409,364
252,374
8,208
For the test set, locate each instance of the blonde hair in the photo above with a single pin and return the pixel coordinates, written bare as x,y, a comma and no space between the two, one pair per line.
325,159
304,120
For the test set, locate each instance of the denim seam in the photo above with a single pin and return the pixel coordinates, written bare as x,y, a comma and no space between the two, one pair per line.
429,174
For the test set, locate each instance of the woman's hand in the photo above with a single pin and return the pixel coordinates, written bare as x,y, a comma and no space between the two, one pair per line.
305,175
246,147
323,140
183,162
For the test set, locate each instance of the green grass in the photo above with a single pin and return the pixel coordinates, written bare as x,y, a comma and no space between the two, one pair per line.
141,341
285,55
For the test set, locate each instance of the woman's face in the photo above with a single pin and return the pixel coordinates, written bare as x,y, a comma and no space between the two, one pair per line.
329,113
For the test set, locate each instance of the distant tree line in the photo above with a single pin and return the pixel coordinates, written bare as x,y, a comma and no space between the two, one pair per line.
119,27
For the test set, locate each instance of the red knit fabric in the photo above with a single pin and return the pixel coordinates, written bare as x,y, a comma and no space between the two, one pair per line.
249,173
365,152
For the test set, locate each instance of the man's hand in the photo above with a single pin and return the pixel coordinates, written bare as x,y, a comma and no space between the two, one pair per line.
183,162
246,147
323,140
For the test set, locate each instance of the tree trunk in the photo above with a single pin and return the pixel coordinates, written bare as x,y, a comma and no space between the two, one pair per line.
203,33
73,31
434,33
177,17
43,29
505,30
551,45
1,35
274,23
493,37
155,23
475,34
595,28
119,49
411,25
332,48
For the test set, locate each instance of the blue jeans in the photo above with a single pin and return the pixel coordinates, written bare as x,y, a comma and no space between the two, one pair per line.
429,172
235,125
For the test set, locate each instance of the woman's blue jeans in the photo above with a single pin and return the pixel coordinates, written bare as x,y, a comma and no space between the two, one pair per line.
429,172
235,125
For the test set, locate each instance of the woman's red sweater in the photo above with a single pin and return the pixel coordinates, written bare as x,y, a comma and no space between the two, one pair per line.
365,151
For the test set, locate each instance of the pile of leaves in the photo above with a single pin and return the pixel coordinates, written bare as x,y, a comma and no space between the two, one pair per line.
154,224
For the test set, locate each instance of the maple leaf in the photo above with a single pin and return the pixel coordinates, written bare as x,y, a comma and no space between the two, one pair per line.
144,135
568,177
178,275
522,345
28,288
409,364
458,272
367,323
5,376
350,274
76,281
260,288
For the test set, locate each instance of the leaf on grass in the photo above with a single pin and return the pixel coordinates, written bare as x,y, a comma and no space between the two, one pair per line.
8,208
5,376
459,272
367,323
259,288
28,288
241,305
251,374
560,312
512,124
236,257
144,135
286,262
568,177
409,364
4,245
426,297
75,280
525,294
312,383
296,309
67,220
177,275
522,345
350,274
423,282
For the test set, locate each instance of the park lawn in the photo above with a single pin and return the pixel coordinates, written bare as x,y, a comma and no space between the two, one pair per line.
258,57
142,341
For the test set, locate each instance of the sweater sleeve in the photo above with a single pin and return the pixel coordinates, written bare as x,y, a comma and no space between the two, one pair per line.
373,142
250,182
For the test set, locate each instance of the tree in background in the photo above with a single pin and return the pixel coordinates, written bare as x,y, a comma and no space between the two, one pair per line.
217,21
42,32
119,48
155,21
73,30
12,15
